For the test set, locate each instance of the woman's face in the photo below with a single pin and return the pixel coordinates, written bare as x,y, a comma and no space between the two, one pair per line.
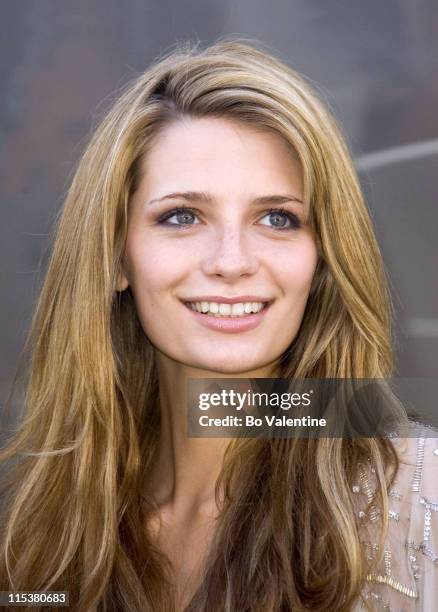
241,238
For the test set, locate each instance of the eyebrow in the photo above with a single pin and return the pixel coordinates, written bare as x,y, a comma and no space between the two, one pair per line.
200,196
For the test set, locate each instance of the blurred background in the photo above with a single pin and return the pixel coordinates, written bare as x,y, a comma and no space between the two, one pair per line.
375,63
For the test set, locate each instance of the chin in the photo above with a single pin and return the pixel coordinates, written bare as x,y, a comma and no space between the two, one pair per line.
228,366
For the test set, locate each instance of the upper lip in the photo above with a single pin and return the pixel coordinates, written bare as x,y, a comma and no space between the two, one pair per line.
220,299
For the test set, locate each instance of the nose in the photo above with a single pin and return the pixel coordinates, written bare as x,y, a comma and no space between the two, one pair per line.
230,256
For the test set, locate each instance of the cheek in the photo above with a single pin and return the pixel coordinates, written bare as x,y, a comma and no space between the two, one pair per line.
297,268
150,267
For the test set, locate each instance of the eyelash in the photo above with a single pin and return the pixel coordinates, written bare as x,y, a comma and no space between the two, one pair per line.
295,222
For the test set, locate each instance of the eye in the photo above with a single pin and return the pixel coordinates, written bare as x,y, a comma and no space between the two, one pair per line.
282,219
184,216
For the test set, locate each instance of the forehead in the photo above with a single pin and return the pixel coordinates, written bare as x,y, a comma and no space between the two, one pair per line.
219,154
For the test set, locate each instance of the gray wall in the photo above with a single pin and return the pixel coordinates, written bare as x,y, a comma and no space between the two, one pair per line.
375,62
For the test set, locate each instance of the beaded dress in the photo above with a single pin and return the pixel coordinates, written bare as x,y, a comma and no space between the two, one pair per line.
407,576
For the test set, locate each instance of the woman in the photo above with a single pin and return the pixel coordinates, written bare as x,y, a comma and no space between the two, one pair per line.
214,228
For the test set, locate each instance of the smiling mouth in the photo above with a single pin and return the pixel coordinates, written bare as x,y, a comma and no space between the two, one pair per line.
228,311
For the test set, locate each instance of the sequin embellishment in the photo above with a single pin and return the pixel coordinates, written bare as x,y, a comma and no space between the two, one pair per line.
418,466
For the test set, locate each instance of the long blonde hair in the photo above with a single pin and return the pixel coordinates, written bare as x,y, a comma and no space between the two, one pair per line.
74,517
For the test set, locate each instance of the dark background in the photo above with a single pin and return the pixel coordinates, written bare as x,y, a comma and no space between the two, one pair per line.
374,62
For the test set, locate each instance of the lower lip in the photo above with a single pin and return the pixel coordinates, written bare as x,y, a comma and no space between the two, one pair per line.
231,325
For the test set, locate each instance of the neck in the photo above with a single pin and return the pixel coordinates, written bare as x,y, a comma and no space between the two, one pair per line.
186,469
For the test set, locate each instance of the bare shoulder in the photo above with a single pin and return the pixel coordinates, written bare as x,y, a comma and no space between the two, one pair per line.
411,449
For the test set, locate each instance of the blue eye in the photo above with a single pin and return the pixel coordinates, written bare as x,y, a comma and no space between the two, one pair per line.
282,219
279,218
184,216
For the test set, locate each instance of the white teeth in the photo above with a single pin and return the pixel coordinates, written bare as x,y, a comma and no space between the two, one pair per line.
226,310
237,310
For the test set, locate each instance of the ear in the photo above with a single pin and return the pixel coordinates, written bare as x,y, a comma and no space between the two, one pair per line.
122,281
